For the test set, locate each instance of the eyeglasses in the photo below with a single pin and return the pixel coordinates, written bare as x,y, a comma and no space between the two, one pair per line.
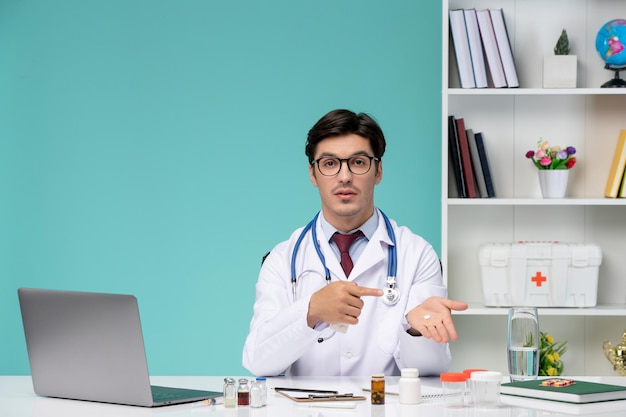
358,165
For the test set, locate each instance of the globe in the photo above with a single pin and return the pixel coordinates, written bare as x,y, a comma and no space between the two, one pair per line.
610,42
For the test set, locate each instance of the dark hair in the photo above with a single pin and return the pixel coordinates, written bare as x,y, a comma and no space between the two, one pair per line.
343,122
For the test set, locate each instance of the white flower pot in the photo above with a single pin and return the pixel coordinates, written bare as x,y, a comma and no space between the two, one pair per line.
559,71
553,182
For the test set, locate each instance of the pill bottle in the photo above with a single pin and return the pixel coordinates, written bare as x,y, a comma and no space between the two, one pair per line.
243,392
453,384
378,389
410,386
263,384
485,389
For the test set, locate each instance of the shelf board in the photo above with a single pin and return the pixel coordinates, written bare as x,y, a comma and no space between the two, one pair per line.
600,201
476,309
535,91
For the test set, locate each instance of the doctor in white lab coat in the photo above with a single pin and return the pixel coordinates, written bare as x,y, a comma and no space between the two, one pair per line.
342,326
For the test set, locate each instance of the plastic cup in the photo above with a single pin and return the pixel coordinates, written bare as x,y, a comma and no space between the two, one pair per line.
468,374
453,384
485,389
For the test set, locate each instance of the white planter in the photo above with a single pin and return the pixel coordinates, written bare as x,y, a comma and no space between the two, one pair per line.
559,71
553,182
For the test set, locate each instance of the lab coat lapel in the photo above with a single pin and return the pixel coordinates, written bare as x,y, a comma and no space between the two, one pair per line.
329,255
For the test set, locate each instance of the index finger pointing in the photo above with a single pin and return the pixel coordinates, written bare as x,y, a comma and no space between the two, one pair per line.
365,291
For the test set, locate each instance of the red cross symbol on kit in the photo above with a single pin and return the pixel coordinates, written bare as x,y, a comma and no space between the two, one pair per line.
538,279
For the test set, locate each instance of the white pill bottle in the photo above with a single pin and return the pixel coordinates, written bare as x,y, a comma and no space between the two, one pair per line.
410,386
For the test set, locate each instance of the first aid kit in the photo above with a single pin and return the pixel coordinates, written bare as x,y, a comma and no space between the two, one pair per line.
539,274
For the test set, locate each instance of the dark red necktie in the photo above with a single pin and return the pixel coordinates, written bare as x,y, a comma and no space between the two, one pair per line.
343,243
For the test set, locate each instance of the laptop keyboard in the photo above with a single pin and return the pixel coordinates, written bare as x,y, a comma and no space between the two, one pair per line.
160,394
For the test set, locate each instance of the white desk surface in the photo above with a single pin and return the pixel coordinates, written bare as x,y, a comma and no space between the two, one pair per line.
17,399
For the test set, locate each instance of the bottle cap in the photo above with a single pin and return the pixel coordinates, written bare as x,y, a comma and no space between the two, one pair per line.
261,378
468,372
410,373
453,377
487,376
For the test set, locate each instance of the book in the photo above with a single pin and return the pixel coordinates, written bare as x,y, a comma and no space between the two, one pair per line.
504,47
490,46
579,392
466,160
455,157
484,163
461,48
476,163
616,172
565,408
622,188
476,49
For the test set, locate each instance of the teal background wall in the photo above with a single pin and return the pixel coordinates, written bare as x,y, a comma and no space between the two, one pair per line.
156,147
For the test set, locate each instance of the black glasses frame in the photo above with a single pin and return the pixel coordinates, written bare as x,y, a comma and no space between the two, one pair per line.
347,161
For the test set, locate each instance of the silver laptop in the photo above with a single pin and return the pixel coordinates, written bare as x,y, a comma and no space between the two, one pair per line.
89,346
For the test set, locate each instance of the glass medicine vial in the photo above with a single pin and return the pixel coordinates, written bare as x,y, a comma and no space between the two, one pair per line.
410,386
243,392
230,393
378,389
256,394
263,383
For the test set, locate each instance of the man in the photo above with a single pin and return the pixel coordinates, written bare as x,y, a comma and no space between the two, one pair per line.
323,312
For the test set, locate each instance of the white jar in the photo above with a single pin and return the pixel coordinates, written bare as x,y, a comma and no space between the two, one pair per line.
410,386
486,388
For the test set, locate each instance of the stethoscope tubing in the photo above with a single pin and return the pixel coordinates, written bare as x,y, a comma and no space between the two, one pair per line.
392,267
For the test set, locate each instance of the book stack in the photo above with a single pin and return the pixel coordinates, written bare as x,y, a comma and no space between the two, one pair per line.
482,49
616,181
469,162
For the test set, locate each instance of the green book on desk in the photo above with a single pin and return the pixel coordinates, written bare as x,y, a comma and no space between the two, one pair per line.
578,392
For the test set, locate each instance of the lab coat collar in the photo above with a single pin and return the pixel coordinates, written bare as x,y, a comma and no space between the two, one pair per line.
375,252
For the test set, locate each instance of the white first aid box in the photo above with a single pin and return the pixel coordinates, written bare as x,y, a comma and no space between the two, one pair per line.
540,274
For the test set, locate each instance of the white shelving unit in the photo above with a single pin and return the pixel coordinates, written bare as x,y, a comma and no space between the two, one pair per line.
512,120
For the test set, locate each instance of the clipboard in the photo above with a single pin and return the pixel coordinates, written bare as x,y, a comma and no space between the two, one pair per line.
313,395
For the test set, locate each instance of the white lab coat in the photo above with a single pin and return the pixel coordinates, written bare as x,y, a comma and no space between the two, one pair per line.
281,341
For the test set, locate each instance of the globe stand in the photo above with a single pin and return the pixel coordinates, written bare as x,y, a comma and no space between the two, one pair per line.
616,82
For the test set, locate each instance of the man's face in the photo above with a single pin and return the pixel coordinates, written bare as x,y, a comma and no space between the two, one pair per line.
347,198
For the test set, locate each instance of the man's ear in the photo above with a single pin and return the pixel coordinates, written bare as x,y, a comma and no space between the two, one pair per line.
312,176
379,172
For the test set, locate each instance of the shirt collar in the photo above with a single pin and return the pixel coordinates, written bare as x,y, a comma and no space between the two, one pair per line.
368,228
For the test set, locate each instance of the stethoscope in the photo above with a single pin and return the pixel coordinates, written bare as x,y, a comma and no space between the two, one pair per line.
391,295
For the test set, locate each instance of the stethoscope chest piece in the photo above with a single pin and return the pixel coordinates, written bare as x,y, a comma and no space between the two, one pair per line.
391,296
